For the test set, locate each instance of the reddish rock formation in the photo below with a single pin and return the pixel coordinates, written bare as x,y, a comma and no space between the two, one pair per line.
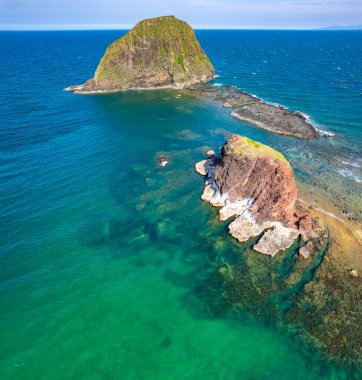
255,184
247,169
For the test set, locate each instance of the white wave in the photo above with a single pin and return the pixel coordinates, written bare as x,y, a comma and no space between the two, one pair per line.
346,173
257,97
354,164
217,84
216,76
322,132
325,133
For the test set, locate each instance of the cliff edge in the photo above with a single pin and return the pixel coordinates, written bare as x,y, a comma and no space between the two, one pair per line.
161,52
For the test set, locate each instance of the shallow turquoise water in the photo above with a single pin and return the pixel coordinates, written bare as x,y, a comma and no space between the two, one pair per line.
104,256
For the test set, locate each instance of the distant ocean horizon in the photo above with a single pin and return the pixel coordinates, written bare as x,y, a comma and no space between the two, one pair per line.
107,261
125,29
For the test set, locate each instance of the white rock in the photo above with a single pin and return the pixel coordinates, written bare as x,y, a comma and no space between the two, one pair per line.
275,239
236,208
207,194
210,153
354,273
244,228
306,250
228,105
202,167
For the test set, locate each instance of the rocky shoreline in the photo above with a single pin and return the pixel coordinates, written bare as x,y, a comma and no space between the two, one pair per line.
274,118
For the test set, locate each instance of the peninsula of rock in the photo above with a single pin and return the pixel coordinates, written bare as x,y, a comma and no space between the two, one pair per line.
254,184
269,116
160,52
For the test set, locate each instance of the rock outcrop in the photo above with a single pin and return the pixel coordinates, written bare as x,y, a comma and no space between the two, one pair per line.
255,184
161,52
271,117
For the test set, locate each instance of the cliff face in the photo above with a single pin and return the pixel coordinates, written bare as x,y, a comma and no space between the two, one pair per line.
255,184
247,169
158,52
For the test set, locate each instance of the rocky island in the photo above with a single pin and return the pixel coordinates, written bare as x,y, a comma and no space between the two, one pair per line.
161,52
255,184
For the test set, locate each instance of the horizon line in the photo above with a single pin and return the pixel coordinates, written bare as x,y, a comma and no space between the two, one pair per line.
103,28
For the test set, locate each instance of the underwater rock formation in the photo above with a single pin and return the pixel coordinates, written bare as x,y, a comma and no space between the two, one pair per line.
161,52
255,184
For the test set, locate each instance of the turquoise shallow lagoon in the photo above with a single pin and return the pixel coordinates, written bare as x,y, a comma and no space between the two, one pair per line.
107,261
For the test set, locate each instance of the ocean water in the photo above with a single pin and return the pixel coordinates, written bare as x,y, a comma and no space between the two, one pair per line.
107,260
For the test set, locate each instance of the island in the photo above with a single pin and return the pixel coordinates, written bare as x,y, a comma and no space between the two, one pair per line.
160,52
163,52
254,184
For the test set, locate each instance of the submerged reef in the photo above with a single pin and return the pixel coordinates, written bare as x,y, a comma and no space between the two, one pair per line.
160,52
255,184
307,290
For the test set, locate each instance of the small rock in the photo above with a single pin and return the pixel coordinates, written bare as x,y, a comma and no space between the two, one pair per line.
327,135
162,160
305,222
347,213
306,250
210,153
228,105
353,273
208,194
202,167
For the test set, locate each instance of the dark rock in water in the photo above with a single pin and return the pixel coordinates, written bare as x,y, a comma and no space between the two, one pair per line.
348,214
271,117
157,53
256,184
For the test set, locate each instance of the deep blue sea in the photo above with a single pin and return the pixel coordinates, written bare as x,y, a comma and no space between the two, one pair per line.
102,252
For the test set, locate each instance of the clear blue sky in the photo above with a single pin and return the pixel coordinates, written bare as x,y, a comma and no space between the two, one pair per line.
123,14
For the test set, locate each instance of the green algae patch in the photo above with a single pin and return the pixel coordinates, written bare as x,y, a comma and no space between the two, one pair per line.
243,146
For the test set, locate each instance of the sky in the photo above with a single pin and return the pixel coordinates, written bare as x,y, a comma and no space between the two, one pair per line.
201,14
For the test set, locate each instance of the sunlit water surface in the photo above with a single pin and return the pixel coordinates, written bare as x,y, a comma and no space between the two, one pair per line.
104,255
